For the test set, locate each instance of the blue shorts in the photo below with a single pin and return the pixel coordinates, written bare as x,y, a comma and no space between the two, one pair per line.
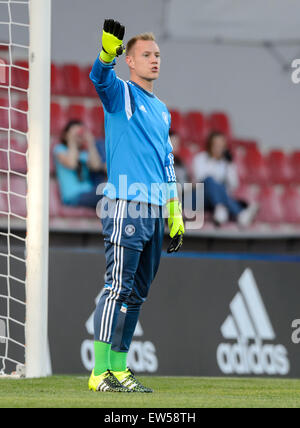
133,248
131,224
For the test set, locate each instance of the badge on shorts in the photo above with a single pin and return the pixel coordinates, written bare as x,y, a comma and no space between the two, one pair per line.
130,230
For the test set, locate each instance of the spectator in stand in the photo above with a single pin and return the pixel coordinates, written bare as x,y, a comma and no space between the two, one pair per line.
79,166
216,169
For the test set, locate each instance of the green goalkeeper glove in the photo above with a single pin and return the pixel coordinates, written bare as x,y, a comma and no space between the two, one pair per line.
112,40
176,225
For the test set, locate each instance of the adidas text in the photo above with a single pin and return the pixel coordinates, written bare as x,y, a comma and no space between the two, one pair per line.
249,331
255,359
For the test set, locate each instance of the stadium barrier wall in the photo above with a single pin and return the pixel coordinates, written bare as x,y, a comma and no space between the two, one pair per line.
207,314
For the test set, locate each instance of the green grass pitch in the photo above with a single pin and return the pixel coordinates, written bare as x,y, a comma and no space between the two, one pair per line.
170,392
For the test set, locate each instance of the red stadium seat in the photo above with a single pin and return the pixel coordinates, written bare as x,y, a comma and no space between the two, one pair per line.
57,80
18,161
257,171
20,74
295,165
95,120
88,88
4,102
239,160
18,191
77,112
246,193
4,122
219,121
186,156
58,119
16,156
244,145
178,124
197,126
279,167
3,203
19,118
73,80
271,209
291,205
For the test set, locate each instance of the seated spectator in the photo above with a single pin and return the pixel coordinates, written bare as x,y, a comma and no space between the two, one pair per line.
216,169
79,166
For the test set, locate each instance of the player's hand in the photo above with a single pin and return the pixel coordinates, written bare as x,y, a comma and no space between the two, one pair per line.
112,40
176,226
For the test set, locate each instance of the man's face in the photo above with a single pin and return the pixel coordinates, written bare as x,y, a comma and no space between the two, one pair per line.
144,59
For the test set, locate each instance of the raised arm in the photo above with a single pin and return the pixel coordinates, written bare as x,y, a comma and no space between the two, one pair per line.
108,86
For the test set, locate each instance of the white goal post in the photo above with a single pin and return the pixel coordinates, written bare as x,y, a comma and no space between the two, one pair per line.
37,244
26,352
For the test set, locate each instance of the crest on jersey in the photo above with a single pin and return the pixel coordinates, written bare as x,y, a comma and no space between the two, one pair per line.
165,117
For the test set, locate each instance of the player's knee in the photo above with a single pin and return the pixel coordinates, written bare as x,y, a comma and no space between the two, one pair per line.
136,300
124,295
119,295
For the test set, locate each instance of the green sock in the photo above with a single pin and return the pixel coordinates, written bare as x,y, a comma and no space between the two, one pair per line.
118,361
102,351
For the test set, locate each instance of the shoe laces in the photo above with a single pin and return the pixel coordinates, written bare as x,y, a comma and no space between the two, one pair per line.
112,378
132,377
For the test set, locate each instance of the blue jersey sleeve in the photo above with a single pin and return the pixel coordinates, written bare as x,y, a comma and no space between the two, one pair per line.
108,86
169,163
170,173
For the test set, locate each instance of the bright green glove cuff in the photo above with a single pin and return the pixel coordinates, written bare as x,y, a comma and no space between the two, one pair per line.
111,47
106,57
175,220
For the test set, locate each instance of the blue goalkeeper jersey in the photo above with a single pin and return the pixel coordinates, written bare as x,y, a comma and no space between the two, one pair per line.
140,163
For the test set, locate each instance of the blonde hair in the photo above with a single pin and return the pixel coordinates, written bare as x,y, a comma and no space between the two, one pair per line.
142,36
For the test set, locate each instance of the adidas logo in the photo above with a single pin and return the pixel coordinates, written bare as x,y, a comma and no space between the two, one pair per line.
249,325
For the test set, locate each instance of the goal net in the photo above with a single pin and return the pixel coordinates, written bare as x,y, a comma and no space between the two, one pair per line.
24,182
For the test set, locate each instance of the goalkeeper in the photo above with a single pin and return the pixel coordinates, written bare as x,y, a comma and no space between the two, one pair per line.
140,176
